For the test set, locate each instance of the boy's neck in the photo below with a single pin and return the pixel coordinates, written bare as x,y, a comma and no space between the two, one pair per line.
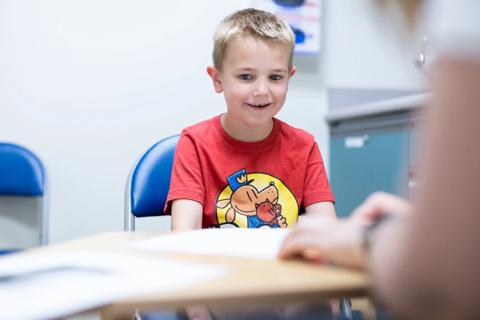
241,132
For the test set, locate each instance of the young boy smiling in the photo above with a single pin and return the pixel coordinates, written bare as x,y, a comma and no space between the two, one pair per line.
246,168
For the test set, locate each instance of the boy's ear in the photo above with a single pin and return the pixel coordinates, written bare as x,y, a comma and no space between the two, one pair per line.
216,78
292,72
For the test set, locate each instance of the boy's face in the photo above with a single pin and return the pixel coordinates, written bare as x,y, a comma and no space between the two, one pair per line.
254,80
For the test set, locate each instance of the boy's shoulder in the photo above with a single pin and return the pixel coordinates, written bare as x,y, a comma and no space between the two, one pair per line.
210,129
200,128
295,134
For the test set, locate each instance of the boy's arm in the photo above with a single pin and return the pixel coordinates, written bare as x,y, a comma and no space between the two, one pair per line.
317,189
323,210
186,215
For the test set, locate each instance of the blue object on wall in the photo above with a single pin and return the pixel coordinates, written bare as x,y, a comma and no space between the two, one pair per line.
299,35
290,3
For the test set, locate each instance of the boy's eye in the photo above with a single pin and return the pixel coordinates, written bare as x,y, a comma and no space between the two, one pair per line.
276,77
245,76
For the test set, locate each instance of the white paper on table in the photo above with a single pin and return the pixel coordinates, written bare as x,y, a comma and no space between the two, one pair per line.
46,287
239,242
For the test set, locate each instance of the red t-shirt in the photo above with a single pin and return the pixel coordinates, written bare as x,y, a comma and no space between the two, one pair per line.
248,184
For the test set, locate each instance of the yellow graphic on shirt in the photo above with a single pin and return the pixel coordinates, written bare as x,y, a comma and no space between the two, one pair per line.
256,200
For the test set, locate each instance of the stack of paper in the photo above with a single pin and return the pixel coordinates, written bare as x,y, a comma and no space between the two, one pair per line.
239,242
46,287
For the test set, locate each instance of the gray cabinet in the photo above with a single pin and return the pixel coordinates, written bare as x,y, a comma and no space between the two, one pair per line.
372,152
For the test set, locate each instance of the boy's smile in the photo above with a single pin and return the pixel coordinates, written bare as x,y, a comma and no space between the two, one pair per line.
254,80
258,106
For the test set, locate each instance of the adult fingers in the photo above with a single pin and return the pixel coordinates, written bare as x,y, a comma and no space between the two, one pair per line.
377,205
297,242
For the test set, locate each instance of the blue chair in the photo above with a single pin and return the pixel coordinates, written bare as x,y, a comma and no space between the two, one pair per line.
149,181
22,174
145,196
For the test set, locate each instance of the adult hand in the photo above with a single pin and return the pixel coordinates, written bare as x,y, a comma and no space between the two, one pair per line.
377,205
323,240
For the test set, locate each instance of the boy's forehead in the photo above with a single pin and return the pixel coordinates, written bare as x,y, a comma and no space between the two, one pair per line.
247,48
243,39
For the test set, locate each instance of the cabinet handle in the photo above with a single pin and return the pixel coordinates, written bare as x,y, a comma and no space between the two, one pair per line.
356,141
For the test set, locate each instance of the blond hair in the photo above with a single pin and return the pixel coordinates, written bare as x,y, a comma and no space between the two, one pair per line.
257,23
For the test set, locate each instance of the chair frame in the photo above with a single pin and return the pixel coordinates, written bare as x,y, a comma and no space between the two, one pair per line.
129,217
44,234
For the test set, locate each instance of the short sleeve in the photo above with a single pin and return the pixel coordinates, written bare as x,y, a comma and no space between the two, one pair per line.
186,181
316,187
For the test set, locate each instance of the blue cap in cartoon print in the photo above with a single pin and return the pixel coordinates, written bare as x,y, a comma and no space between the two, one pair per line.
238,179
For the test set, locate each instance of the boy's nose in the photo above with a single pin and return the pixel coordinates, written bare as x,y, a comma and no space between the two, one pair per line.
261,89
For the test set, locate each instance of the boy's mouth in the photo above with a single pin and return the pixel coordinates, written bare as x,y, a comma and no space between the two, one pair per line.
257,105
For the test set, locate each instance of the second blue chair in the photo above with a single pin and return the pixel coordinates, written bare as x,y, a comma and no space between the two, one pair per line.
22,175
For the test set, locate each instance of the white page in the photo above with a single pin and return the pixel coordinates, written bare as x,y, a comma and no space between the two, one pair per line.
239,242
88,280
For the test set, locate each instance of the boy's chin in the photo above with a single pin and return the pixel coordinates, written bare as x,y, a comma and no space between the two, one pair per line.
253,118
259,121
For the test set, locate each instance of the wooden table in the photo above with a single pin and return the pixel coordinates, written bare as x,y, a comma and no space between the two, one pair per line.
249,280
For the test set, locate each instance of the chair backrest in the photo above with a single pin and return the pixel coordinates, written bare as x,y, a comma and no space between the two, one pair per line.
149,181
21,171
23,174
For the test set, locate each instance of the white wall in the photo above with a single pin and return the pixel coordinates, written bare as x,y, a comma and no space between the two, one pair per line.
88,85
369,48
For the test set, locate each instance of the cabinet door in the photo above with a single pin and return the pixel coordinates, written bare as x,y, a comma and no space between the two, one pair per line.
365,162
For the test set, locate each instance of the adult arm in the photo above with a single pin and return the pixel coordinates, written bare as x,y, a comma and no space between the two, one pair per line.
426,262
432,259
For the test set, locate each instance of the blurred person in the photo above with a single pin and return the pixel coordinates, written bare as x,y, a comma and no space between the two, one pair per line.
423,258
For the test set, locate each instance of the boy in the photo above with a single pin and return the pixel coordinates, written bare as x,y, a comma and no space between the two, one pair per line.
246,168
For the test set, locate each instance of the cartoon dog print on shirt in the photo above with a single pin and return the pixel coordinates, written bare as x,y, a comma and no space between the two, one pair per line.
262,202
